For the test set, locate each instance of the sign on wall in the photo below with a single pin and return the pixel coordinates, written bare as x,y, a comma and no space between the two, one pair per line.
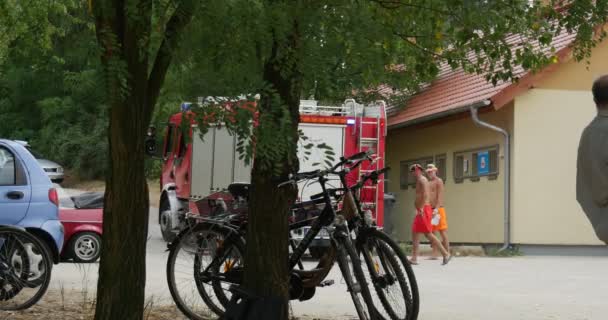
483,163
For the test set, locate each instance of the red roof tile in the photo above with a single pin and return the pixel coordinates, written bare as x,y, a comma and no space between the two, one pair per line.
455,89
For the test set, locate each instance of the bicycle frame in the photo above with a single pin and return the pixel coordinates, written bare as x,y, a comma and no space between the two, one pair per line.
326,218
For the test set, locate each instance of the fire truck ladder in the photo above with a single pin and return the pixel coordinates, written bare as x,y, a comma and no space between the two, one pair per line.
371,142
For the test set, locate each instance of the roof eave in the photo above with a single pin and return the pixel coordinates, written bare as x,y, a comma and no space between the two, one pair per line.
529,80
436,116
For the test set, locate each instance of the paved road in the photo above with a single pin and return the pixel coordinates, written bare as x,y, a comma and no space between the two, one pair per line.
534,288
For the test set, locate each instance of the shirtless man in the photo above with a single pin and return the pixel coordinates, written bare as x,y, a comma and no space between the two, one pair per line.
441,224
422,220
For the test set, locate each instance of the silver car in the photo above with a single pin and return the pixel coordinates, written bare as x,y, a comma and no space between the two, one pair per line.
52,169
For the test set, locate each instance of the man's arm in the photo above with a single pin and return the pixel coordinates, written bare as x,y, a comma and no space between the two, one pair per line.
599,168
439,193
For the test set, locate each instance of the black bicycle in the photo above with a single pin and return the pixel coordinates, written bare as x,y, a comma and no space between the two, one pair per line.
25,269
387,266
205,262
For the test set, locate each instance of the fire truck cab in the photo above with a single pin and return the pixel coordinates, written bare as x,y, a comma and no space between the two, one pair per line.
195,169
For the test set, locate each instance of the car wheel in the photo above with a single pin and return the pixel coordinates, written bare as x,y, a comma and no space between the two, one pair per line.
85,247
35,262
164,220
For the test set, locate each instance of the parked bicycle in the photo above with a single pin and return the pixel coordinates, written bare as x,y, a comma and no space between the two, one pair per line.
388,269
25,269
215,248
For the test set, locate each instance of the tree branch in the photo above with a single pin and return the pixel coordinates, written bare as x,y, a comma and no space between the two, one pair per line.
171,39
395,4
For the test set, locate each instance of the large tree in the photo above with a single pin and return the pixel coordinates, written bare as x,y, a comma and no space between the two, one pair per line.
137,41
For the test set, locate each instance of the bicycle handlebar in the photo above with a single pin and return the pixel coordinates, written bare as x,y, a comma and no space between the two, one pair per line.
374,175
333,191
355,159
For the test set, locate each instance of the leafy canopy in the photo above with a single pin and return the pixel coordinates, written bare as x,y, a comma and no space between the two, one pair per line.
354,47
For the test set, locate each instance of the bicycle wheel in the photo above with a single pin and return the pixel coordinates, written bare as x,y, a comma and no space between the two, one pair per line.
25,269
203,263
389,271
351,269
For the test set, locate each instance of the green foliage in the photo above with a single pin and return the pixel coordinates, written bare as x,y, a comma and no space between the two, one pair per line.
52,91
308,146
73,137
49,59
347,47
52,87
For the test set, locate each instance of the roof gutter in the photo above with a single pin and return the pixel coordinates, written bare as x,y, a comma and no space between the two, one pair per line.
507,189
458,110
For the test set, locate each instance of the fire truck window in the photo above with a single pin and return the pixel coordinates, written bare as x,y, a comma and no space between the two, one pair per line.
182,146
168,141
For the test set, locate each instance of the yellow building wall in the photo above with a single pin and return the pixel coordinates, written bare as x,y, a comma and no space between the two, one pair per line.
574,75
548,125
474,209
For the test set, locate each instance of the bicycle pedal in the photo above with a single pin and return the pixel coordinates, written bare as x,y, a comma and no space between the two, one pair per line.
326,283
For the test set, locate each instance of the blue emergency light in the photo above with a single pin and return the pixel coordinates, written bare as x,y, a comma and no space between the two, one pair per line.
351,121
186,106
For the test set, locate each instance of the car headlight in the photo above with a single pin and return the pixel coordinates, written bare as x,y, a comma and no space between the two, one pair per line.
60,170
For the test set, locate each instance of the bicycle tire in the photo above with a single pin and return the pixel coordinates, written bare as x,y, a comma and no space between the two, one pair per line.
346,252
392,261
218,307
9,275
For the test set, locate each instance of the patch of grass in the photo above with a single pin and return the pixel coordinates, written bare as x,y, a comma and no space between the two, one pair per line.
57,305
511,251
406,247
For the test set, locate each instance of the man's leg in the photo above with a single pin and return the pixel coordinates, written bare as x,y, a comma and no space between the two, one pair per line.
416,244
437,244
435,253
444,239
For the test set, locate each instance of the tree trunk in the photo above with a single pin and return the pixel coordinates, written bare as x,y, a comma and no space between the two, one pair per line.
123,32
266,259
122,270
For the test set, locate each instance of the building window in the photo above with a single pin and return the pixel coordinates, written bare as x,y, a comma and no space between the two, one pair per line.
406,178
476,163
441,164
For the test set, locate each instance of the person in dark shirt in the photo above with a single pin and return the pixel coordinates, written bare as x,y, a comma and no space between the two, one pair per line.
592,163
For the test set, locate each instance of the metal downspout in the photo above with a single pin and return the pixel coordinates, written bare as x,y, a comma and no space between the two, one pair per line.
507,155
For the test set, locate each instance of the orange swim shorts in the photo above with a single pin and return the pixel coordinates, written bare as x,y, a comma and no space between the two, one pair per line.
443,221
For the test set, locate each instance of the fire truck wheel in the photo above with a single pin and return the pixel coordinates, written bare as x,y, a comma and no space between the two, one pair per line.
164,220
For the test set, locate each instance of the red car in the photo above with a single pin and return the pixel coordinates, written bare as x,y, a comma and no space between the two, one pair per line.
81,216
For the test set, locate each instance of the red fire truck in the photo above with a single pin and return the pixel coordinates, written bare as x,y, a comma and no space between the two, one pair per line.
196,175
